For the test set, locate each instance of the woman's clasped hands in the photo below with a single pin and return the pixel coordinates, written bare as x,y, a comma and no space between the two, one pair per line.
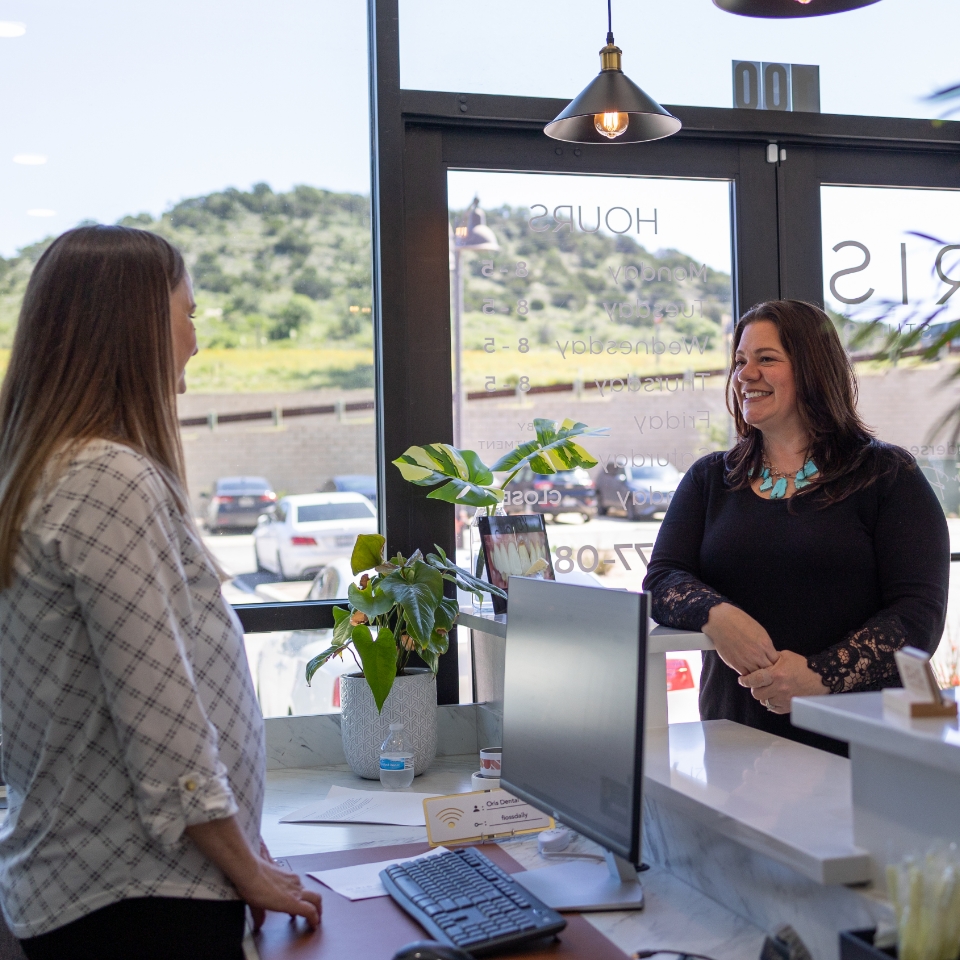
777,685
774,677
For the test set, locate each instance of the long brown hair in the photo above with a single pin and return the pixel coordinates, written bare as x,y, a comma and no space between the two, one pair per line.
842,445
92,358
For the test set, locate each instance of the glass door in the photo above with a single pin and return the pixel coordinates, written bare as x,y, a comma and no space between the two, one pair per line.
606,300
891,264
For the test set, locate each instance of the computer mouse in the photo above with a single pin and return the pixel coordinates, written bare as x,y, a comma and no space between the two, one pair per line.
430,950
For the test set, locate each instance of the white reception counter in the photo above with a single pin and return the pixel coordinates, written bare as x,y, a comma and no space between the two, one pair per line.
766,830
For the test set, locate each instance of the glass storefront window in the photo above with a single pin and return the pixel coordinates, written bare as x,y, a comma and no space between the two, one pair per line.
606,300
228,164
890,257
214,127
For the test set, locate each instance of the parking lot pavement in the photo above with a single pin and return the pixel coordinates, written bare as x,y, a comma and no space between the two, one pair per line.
233,551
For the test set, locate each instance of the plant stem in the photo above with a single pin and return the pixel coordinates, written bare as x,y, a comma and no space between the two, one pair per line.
355,660
491,510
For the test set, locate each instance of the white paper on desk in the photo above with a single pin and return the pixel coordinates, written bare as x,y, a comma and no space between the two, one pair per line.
362,881
345,805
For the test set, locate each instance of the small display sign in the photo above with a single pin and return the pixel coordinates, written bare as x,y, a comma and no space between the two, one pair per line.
917,676
484,815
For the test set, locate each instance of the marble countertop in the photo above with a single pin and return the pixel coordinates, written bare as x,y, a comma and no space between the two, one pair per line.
676,915
777,797
859,718
780,798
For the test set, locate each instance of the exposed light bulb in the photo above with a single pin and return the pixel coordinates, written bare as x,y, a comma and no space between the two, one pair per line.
804,1
611,125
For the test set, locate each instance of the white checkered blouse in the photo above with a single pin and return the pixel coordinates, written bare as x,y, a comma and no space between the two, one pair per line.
128,711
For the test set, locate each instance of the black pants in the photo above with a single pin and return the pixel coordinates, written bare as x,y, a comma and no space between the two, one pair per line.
147,928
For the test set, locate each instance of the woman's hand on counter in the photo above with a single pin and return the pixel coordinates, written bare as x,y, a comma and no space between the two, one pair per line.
775,686
259,881
742,643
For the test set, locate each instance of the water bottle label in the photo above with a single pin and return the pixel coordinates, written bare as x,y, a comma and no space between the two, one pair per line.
387,764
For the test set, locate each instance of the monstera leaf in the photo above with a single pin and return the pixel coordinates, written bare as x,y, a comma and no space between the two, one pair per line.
554,449
465,477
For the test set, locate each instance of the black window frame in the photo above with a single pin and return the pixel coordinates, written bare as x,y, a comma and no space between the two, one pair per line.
416,136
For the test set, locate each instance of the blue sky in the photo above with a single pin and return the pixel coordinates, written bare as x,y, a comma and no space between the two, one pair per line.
137,105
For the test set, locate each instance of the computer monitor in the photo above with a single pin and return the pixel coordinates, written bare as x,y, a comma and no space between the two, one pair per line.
573,728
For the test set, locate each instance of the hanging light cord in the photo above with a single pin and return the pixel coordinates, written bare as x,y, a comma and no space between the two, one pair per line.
609,22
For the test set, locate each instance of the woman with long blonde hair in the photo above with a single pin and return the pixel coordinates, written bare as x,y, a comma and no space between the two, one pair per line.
133,747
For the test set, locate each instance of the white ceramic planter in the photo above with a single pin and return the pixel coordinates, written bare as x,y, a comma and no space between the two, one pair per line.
412,702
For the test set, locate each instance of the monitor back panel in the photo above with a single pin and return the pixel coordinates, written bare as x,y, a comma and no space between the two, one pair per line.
573,707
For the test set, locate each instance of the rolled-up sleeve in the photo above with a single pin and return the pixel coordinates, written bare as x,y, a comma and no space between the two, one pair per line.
123,552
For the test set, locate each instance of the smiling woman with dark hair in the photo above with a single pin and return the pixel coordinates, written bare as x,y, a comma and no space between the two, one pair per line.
810,552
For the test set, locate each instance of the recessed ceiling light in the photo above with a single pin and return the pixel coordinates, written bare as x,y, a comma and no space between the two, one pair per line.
41,212
30,159
12,28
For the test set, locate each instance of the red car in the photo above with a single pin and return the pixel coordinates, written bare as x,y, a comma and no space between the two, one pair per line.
679,676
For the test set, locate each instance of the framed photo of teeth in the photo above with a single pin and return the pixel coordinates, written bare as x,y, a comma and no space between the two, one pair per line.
515,547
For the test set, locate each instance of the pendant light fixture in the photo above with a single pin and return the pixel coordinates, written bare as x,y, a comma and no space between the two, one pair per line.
612,108
790,8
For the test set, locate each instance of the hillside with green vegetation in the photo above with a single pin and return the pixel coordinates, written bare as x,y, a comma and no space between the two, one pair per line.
283,293
573,284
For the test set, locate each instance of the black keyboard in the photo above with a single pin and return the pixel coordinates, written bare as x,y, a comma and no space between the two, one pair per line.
463,898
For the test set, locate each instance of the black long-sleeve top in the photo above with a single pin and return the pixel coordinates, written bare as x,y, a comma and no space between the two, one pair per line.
844,585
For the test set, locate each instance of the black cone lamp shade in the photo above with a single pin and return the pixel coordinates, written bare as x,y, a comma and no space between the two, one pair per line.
612,109
790,8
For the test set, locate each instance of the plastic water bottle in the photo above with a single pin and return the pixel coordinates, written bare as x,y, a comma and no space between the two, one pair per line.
396,760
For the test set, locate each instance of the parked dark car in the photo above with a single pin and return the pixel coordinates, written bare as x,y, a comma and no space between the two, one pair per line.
354,483
567,491
636,492
237,502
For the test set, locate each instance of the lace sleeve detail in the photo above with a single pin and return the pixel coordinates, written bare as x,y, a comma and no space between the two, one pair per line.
864,660
681,600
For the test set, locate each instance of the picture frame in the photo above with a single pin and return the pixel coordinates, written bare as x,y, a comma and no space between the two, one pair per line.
515,546
917,676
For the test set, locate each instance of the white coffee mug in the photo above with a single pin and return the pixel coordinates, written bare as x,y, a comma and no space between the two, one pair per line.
490,761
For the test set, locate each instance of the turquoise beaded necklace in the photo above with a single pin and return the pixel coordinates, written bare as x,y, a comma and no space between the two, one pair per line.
779,488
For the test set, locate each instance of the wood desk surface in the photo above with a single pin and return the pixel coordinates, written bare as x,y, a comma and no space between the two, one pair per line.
377,928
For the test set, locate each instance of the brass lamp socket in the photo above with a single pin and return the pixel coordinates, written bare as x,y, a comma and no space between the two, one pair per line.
610,58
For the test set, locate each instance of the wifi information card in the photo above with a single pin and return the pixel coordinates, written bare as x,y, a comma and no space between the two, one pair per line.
484,815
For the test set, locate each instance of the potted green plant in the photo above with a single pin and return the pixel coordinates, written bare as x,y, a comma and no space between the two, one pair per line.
467,480
397,609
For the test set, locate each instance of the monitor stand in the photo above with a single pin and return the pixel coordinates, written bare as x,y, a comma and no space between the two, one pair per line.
586,886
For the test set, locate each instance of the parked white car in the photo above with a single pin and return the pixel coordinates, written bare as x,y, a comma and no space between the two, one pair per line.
278,661
305,533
